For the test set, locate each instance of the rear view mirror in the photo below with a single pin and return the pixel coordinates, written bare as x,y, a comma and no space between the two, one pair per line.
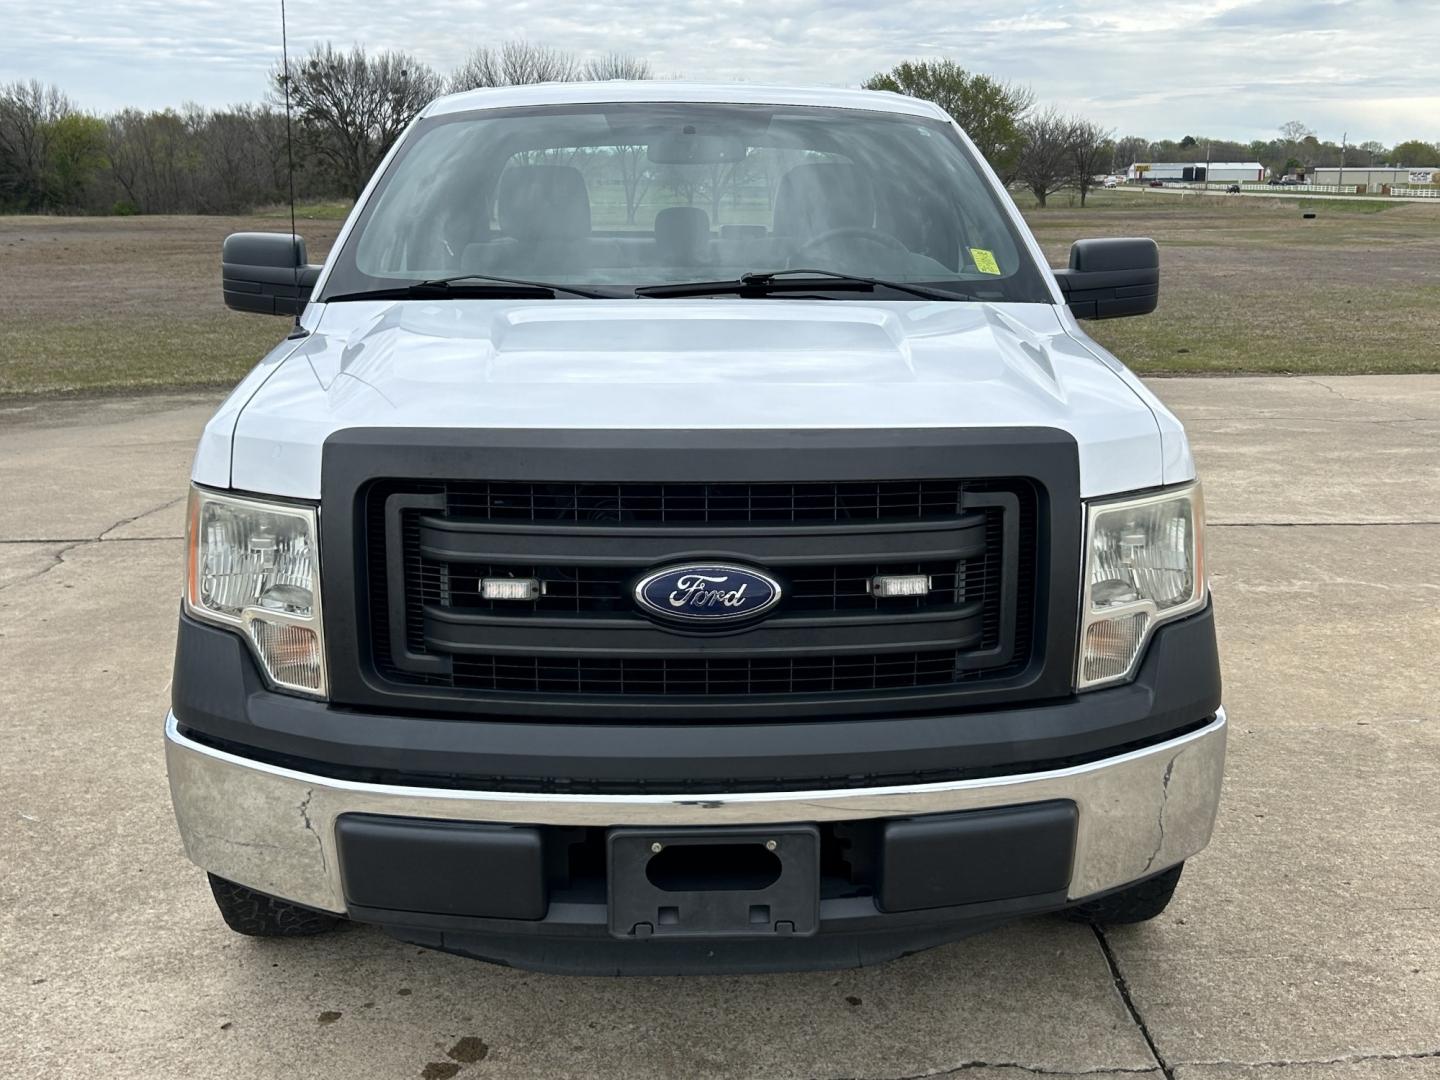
266,272
1111,278
691,148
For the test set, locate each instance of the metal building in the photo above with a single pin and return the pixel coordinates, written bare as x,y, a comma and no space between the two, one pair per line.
1220,171
1373,176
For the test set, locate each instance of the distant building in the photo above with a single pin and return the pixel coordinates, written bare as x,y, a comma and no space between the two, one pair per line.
1220,171
1373,176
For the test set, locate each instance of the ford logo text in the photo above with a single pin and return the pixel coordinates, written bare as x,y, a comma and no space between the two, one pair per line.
706,594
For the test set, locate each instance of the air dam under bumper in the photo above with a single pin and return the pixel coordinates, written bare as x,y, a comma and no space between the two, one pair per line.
274,829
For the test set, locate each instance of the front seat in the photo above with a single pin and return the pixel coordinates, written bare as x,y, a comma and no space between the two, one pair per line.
814,198
544,216
682,236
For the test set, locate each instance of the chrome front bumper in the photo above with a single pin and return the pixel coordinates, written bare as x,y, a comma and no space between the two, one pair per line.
273,829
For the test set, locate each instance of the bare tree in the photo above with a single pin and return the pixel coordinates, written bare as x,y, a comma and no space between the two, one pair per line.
149,156
1128,151
722,178
1090,146
1293,131
28,114
1046,162
617,66
352,106
267,130
515,63
636,175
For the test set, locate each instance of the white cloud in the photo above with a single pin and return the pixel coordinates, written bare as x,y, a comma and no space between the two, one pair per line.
1232,68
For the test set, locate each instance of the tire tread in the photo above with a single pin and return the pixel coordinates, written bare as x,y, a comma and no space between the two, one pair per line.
255,914
1136,903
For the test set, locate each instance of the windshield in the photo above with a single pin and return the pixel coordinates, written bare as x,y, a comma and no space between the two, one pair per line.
617,197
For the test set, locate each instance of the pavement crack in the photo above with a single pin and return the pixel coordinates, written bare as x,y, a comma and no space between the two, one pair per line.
1123,988
136,517
1357,401
1290,417
1036,1070
76,541
1344,1059
57,559
1318,524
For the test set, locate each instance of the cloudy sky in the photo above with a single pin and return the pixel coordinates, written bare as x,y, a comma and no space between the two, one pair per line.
1234,68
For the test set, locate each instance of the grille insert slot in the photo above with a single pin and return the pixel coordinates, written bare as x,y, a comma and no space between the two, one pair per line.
430,543
698,503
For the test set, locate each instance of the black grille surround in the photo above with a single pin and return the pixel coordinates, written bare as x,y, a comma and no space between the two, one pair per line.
823,512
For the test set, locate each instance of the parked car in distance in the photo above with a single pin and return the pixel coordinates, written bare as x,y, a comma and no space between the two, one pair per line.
1157,183
784,583
1112,181
1233,189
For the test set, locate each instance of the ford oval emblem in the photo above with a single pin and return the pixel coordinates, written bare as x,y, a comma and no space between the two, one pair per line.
706,594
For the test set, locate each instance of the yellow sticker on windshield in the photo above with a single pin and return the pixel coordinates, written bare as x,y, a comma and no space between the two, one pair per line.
985,261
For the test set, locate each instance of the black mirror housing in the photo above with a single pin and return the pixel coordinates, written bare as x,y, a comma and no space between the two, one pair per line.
266,273
1111,278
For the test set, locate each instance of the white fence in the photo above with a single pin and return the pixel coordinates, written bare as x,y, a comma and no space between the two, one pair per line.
1219,187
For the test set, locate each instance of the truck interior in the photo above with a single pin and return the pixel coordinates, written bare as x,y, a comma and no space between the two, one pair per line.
655,193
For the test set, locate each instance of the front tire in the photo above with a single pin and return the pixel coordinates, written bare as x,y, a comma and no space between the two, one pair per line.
1136,903
255,914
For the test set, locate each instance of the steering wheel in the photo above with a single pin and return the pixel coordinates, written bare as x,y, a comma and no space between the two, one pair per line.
859,232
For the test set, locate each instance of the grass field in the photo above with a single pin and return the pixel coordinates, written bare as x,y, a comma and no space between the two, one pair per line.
101,304
1249,285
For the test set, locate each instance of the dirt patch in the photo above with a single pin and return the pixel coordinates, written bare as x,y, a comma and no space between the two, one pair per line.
127,303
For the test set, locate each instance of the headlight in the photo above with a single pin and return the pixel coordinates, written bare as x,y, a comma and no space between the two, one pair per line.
255,566
1144,565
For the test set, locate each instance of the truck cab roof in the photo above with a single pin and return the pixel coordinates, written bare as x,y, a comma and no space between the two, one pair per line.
619,90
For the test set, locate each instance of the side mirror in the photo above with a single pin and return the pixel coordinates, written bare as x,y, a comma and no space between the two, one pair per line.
266,272
1111,278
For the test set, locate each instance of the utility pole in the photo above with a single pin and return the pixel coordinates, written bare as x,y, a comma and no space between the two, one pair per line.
1343,137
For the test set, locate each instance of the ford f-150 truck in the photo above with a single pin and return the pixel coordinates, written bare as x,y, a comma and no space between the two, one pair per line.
687,529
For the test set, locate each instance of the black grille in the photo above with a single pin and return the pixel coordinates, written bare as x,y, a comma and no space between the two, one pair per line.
686,676
432,627
574,589
879,500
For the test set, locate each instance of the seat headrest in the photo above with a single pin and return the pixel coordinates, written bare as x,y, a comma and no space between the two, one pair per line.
821,196
682,234
543,202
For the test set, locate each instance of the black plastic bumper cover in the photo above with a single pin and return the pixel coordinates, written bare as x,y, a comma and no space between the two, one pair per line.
220,697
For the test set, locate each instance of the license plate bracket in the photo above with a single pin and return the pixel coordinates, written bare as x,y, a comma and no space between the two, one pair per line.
750,882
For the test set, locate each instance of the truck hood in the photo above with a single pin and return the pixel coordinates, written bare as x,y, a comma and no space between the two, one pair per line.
679,364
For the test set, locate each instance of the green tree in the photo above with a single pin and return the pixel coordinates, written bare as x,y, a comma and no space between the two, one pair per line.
28,112
1416,152
987,109
75,159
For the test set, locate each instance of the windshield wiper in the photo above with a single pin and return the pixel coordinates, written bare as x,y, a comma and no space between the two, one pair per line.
462,285
769,282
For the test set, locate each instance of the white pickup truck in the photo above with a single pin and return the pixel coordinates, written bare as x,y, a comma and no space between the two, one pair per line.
687,529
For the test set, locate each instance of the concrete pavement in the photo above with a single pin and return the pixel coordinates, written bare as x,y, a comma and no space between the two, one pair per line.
1305,941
